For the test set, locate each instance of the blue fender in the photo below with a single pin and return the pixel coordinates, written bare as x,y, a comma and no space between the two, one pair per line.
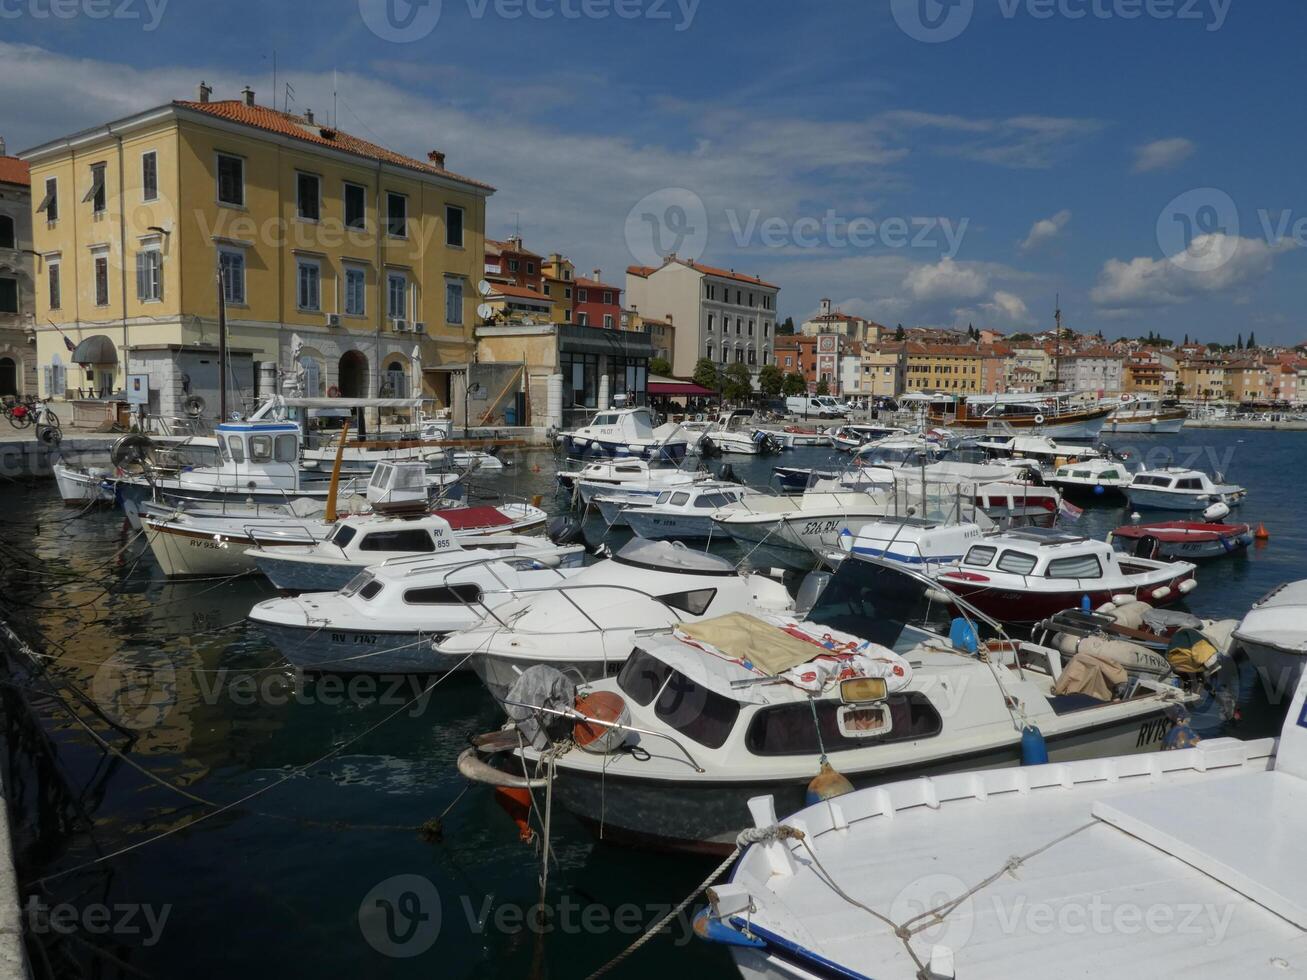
714,930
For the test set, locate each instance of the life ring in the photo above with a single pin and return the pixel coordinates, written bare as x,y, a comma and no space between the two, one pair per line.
1127,397
1039,419
333,392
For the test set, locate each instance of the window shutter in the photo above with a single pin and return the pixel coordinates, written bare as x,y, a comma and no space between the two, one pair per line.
47,376
142,278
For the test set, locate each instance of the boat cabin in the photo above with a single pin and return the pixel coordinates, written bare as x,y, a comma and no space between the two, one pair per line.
264,454
1184,481
1041,553
399,488
370,537
703,499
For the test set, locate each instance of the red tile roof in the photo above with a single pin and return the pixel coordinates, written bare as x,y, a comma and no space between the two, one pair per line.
287,124
494,244
504,289
15,171
645,271
596,284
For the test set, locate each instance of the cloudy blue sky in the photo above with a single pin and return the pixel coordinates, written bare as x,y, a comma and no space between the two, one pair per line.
917,161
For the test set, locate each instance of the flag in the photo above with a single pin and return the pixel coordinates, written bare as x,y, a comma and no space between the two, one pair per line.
69,344
1068,510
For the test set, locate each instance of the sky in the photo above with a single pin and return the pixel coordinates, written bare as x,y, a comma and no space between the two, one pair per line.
925,162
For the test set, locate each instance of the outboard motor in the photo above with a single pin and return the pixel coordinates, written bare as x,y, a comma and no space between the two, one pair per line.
810,590
727,474
564,530
708,448
1147,547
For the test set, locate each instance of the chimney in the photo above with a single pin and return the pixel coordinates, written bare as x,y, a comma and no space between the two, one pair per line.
438,158
594,274
248,94
3,149
206,90
308,116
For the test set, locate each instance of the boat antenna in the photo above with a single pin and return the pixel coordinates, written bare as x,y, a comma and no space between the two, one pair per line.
1057,339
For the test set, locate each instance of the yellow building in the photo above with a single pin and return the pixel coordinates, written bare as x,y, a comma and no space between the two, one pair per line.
883,369
1205,379
957,370
350,254
557,275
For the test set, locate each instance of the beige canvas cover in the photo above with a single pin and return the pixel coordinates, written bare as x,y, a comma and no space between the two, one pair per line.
769,648
1087,674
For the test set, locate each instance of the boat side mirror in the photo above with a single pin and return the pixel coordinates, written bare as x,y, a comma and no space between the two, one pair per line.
863,690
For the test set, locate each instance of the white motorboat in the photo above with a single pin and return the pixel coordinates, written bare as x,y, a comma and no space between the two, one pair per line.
387,619
736,433
679,515
1137,413
921,544
1182,865
1175,488
1273,635
879,679
629,479
1092,479
796,532
80,484
623,432
1022,577
1047,452
587,626
853,436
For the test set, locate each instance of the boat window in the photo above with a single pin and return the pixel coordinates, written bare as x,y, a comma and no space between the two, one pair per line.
222,450
788,729
260,449
237,447
1017,562
708,500
341,535
980,555
287,449
1082,474
697,713
1192,483
881,604
694,602
1109,475
414,539
444,595
1079,566
679,499
370,590
628,469
642,676
356,583
605,420
663,497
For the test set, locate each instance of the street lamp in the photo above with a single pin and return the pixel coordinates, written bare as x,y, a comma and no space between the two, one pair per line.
469,389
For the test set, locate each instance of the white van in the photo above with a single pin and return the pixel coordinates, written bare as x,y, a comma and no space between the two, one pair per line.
818,407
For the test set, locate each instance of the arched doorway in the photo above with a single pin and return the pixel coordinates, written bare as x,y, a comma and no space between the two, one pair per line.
394,381
353,374
8,376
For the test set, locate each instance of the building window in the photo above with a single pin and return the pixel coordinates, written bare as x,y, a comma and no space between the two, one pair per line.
397,215
149,276
396,295
8,295
608,321
567,292
608,297
710,322
753,356
232,265
101,265
150,176
739,325
310,286
580,379
567,316
356,206
750,328
96,195
708,353
396,381
231,180
356,281
7,238
583,296
308,196
53,275
453,302
530,268
453,226
50,203
512,265
583,319
739,356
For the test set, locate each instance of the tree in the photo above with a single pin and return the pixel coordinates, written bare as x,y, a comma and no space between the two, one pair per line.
794,384
737,383
705,374
1239,344
1020,337
1179,390
899,333
770,380
822,387
660,366
785,329
1252,340
1186,340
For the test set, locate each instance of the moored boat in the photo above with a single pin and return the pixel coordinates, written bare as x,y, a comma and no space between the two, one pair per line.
1177,488
1187,540
1145,415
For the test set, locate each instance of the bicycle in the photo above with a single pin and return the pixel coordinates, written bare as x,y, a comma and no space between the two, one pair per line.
31,412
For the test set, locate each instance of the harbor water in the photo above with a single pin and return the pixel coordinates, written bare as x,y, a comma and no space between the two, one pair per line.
238,819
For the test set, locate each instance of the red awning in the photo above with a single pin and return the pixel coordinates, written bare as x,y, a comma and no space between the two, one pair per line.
678,388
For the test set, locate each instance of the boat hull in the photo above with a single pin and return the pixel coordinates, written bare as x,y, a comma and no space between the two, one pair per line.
581,447
1278,670
672,527
1025,608
704,817
1152,498
1146,426
334,650
182,553
79,489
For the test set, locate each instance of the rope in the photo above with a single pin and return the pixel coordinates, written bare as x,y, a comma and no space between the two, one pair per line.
751,835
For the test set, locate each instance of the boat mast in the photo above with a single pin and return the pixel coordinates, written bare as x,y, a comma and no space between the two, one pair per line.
1057,340
222,349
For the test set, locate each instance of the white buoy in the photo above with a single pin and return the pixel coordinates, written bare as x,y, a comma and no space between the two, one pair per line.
1216,512
1136,516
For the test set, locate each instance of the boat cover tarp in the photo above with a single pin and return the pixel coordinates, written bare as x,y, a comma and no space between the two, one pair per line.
1088,674
772,650
465,518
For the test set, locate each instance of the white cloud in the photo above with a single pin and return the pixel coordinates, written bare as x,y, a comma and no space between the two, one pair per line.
1045,230
1228,264
1163,154
946,279
1019,142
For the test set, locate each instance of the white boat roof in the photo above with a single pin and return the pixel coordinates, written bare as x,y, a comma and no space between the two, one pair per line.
672,556
1186,864
1278,619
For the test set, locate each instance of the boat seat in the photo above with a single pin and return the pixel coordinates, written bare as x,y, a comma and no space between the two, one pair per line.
1065,704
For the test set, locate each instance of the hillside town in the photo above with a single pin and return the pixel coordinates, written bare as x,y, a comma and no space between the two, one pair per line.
358,271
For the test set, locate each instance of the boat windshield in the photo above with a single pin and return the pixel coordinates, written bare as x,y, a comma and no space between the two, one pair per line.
883,605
